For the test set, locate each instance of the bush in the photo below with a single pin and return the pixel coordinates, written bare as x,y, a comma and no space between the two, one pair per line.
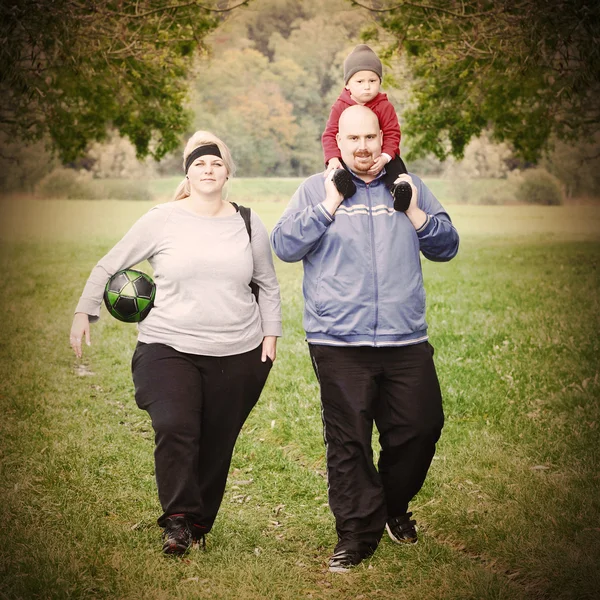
123,189
537,186
23,165
67,184
577,166
80,185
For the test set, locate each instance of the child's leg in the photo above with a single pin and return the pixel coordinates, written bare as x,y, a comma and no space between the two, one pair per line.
394,168
402,193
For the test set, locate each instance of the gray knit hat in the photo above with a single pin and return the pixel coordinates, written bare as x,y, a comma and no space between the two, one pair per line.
362,58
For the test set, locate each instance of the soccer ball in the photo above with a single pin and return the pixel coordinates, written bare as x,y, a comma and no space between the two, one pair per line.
129,295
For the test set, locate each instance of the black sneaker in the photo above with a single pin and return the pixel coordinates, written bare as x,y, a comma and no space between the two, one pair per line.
402,529
402,193
343,183
177,536
344,560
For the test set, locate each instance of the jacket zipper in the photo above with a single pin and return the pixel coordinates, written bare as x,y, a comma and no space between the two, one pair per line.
374,263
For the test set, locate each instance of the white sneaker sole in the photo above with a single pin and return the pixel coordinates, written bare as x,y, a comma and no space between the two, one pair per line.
340,569
397,541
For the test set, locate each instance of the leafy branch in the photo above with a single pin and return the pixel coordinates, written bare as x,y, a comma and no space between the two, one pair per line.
527,69
73,68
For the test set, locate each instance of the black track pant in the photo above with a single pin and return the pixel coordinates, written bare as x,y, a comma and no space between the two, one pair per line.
398,389
198,405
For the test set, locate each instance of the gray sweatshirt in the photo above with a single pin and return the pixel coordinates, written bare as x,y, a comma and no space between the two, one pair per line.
202,268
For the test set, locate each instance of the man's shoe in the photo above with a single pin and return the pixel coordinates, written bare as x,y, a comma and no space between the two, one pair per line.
402,193
177,536
344,560
402,529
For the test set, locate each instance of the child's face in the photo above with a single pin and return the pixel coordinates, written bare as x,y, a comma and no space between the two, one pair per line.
363,86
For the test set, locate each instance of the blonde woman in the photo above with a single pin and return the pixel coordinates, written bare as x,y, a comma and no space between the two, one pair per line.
205,350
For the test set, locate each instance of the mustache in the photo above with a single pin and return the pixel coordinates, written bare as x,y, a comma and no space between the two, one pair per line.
362,153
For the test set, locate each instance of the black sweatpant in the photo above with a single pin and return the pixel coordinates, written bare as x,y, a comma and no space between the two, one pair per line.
198,405
398,389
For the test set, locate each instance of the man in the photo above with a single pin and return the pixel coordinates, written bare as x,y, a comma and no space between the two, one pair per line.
365,325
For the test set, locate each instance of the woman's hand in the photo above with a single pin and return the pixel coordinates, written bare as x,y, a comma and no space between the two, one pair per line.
269,348
80,328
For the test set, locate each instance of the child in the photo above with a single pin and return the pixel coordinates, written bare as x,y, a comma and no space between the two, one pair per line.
362,76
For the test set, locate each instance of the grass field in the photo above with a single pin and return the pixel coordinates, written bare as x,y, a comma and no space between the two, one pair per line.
510,510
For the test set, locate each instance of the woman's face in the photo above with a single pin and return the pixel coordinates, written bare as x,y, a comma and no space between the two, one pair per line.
207,174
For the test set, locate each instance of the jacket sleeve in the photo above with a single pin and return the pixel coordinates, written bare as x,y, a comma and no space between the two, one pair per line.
388,121
438,239
269,299
303,222
328,139
138,244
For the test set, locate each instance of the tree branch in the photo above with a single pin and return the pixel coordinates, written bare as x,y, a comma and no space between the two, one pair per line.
426,7
163,9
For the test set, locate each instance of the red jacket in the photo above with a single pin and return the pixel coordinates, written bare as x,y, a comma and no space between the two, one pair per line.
388,121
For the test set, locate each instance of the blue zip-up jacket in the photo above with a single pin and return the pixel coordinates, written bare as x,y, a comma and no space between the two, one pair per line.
363,284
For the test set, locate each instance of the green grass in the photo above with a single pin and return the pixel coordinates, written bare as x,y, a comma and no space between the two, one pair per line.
510,509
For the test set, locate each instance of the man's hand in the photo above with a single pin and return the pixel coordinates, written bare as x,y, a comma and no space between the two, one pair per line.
413,212
332,197
332,165
377,165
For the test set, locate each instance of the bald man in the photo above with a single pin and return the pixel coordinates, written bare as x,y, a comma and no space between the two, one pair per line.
364,318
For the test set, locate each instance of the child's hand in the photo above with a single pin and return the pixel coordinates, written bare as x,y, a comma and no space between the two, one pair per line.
333,164
377,165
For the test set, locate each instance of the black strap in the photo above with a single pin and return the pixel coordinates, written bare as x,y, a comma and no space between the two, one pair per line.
245,212
246,215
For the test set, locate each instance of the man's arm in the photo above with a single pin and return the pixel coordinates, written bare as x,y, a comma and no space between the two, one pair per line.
438,239
306,219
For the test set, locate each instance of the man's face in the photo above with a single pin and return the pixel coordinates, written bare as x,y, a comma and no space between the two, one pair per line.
359,139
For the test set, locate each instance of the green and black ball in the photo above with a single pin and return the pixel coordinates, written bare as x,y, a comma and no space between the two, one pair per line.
129,295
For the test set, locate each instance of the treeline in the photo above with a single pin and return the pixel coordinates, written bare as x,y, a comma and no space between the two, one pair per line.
265,84
273,72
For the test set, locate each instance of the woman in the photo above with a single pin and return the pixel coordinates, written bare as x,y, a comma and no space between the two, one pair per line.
205,350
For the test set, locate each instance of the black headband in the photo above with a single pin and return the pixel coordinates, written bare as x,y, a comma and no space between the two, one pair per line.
211,149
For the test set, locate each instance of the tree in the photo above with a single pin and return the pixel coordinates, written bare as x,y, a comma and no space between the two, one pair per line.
529,69
70,68
268,91
578,167
238,99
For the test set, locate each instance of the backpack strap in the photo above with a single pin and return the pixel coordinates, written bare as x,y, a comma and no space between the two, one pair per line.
246,215
245,212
